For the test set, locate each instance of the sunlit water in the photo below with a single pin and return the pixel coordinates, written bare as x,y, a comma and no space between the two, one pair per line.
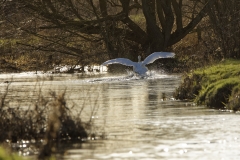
133,118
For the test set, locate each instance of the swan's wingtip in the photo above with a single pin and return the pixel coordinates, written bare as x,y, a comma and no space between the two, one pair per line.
103,64
172,54
169,54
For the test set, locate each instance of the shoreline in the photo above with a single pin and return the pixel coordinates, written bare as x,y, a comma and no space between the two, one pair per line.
216,86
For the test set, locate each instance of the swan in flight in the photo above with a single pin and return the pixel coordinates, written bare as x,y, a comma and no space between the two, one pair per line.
140,66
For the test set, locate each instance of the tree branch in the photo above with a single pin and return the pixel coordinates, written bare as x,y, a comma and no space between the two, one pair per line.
179,34
178,13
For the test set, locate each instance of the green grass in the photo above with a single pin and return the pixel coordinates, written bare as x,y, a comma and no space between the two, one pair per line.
217,86
4,155
223,70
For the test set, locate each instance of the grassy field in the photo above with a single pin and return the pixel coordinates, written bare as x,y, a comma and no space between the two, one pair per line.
217,86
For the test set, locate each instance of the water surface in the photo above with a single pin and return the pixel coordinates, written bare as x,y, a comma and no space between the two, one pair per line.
134,118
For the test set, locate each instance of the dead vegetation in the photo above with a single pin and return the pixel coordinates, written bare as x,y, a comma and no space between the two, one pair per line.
50,121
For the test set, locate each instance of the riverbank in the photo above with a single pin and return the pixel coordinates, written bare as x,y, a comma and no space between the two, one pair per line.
216,86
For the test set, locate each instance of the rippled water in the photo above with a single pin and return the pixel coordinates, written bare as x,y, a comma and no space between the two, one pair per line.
138,118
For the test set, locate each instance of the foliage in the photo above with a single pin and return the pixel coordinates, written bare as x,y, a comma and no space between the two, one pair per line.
216,86
4,155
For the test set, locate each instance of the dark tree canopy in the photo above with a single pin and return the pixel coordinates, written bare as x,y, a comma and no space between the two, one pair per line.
111,26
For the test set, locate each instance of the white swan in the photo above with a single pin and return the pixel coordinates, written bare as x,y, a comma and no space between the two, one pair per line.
139,67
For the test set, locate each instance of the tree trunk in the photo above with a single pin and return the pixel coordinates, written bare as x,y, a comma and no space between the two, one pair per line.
155,37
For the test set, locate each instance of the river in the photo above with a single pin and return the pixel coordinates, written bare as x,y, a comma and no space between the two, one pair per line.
134,118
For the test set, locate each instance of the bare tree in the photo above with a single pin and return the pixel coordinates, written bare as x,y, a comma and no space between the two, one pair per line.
73,26
225,20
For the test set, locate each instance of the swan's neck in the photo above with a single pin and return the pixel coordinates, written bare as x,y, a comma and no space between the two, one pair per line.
139,58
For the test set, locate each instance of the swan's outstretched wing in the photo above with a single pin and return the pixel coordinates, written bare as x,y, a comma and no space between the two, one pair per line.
123,61
156,55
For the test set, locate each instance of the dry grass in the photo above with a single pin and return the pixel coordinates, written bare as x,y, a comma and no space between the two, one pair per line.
49,120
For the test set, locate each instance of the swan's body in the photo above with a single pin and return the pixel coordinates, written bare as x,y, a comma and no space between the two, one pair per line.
139,67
